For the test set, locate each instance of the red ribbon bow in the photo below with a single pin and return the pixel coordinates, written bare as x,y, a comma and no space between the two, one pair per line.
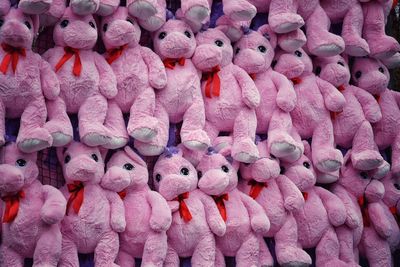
256,188
69,53
12,206
341,88
212,82
296,80
364,210
393,210
115,53
253,76
170,63
76,197
394,4
122,194
12,56
377,98
305,195
183,208
219,200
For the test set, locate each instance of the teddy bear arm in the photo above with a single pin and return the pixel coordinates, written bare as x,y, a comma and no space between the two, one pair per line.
49,80
117,211
293,199
213,216
161,217
258,218
352,218
107,82
173,205
48,54
333,205
379,220
250,94
334,100
286,98
369,105
54,205
157,73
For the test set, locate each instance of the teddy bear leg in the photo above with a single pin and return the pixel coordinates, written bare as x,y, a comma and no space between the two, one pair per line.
57,9
172,258
32,135
240,10
288,252
380,171
283,17
34,6
107,250
155,250
292,41
352,31
107,7
195,10
58,125
244,133
327,250
91,116
9,257
219,258
69,253
299,147
320,41
265,258
125,259
204,253
376,249
396,156
192,134
141,9
4,7
84,7
155,22
248,253
48,248
364,153
116,125
346,241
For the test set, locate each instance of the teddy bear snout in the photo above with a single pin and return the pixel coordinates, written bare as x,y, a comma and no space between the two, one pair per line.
16,34
301,177
173,185
81,168
335,74
207,56
214,182
250,60
176,45
265,169
289,66
374,191
80,35
116,179
120,32
11,178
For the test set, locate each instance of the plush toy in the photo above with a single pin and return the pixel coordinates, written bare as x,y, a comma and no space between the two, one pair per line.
25,81
135,80
372,76
315,99
230,96
147,214
94,216
151,14
32,212
85,77
352,127
279,196
254,53
246,221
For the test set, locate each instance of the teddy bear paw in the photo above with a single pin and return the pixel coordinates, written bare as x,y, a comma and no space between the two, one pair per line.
148,149
282,148
84,7
197,13
366,160
325,44
116,142
328,160
142,9
356,46
144,131
95,139
285,22
61,139
245,151
293,257
383,169
38,139
239,10
383,47
34,6
196,140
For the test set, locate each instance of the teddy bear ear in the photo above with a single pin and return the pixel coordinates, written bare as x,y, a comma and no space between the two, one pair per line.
266,31
307,149
135,157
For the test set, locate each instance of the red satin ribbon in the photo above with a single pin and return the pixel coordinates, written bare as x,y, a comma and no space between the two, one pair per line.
183,208
69,53
170,63
364,210
341,88
12,56
393,210
377,98
256,188
212,82
296,80
122,194
305,195
76,197
12,206
219,200
394,4
253,76
115,53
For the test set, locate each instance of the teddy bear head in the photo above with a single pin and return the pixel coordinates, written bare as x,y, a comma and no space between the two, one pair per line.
18,29
120,29
125,169
370,74
82,163
293,64
17,169
79,32
174,39
173,174
334,70
213,49
254,52
392,191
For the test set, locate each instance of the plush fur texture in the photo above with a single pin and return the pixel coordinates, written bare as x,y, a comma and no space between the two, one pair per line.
35,231
85,90
95,226
151,14
174,176
315,99
147,214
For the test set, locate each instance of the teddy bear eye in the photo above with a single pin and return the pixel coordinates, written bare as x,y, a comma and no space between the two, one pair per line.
130,21
306,164
237,50
262,49
318,70
1,22
94,157
188,35
358,74
185,171
199,174
158,177
128,166
298,53
21,162
162,35
105,27
224,168
92,25
341,63
28,25
219,43
283,170
364,175
64,23
67,159
381,70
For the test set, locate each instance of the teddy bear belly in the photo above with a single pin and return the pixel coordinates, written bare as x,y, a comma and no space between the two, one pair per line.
129,88
75,94
223,114
272,202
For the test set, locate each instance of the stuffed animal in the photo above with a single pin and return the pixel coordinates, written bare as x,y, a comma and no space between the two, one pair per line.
25,80
151,14
279,196
230,96
32,212
147,214
195,217
135,80
86,79
352,127
372,76
254,53
315,99
246,221
180,100
94,216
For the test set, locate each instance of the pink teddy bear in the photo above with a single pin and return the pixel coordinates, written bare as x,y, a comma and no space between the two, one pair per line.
195,216
246,221
135,80
315,99
32,212
254,53
94,216
230,96
147,214
86,79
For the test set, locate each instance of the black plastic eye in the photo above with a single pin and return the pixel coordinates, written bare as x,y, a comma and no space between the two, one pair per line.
219,43
274,62
92,25
306,164
318,70
130,21
364,175
105,27
262,49
64,23
67,159
199,174
341,63
1,22
28,25
21,162
188,34
283,170
128,166
397,186
358,74
94,157
298,53
158,177
237,50
381,70
162,35
225,168
185,171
